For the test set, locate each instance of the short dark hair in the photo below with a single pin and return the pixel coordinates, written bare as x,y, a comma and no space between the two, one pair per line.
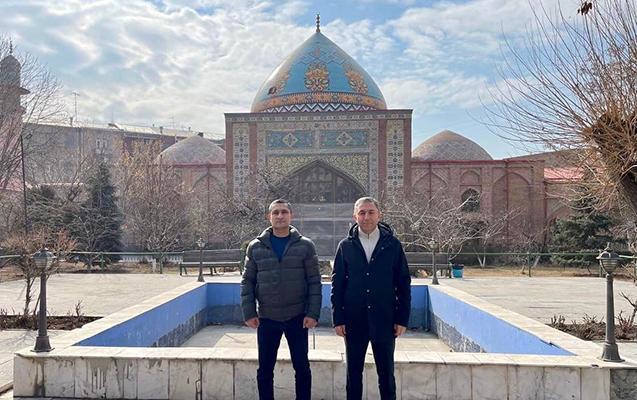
279,201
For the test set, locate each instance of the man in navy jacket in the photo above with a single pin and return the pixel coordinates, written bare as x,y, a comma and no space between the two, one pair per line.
371,297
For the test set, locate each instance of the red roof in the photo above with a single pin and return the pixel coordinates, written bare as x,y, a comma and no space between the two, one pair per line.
567,174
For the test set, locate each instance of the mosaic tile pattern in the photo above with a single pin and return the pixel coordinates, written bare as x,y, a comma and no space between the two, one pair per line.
287,140
240,159
354,165
318,77
373,115
395,154
344,139
363,170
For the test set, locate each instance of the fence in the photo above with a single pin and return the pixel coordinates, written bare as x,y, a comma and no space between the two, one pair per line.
176,257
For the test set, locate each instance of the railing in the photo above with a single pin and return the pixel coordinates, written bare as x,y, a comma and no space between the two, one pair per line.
176,257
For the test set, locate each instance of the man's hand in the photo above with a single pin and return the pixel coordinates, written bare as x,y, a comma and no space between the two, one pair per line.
399,330
309,322
340,330
253,322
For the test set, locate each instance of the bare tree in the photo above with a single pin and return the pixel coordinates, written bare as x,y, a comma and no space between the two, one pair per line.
490,229
25,245
574,87
154,203
231,222
29,94
419,219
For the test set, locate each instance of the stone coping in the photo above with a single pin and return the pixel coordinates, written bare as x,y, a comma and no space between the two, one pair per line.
586,352
400,357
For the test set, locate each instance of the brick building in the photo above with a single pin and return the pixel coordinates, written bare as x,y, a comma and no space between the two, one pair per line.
320,120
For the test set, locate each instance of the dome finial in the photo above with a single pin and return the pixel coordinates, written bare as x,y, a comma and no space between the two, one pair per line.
10,46
318,22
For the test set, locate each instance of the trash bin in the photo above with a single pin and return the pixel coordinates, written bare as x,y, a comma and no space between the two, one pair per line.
457,270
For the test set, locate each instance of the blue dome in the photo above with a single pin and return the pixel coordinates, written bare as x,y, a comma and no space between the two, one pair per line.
318,76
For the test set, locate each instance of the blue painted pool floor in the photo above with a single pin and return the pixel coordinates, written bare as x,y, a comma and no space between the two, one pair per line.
242,337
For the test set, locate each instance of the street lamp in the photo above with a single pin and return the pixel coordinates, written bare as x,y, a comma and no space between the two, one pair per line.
609,261
43,261
200,244
434,249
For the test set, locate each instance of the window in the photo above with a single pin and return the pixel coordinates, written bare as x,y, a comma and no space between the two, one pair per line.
470,200
320,183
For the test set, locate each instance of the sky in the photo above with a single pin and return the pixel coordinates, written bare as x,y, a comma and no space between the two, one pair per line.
185,63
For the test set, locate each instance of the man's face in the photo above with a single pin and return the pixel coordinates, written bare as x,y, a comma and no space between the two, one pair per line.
367,216
280,216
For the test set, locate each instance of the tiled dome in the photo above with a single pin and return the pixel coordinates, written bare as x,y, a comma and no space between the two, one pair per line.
193,150
318,76
448,145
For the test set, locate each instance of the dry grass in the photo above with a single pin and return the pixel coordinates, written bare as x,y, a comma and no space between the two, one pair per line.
12,273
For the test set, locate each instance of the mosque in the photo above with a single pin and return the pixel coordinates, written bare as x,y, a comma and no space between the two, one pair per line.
322,122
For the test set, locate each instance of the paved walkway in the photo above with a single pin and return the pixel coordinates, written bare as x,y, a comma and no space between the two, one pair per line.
101,294
542,298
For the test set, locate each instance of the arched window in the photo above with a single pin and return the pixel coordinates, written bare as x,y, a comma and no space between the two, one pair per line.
470,200
320,183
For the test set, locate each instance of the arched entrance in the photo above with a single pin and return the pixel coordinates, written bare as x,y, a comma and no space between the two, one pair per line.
318,182
323,200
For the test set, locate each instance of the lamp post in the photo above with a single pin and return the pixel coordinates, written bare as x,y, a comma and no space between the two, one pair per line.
434,250
200,244
609,260
24,183
43,261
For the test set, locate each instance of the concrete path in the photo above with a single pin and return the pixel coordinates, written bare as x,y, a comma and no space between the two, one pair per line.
542,298
101,294
242,337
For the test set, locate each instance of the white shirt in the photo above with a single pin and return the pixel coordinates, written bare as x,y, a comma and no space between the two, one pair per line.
369,241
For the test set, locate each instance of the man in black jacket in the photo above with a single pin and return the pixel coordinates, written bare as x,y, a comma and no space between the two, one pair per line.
371,297
282,275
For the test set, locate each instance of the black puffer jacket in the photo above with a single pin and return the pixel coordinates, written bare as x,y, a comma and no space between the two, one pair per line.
372,296
283,289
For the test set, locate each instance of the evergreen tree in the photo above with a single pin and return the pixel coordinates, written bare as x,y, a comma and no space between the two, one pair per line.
587,231
97,224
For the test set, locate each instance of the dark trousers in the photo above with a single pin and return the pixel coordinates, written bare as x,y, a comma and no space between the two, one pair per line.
356,343
269,337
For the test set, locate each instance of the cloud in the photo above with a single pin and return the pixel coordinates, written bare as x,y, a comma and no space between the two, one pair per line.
404,2
147,61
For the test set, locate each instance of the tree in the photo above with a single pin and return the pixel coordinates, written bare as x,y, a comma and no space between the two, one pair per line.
419,219
96,223
587,231
574,87
29,94
154,203
25,245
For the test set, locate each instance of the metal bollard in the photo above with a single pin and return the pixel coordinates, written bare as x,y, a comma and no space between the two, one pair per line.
314,338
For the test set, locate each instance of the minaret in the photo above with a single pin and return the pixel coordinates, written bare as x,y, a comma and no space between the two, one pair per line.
10,85
11,110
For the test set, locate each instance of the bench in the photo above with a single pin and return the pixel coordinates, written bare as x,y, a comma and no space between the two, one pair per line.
424,261
212,259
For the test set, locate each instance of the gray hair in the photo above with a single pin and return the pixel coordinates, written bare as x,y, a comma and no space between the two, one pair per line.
366,200
279,201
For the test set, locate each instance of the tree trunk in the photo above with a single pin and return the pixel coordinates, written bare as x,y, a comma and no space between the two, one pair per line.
628,189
